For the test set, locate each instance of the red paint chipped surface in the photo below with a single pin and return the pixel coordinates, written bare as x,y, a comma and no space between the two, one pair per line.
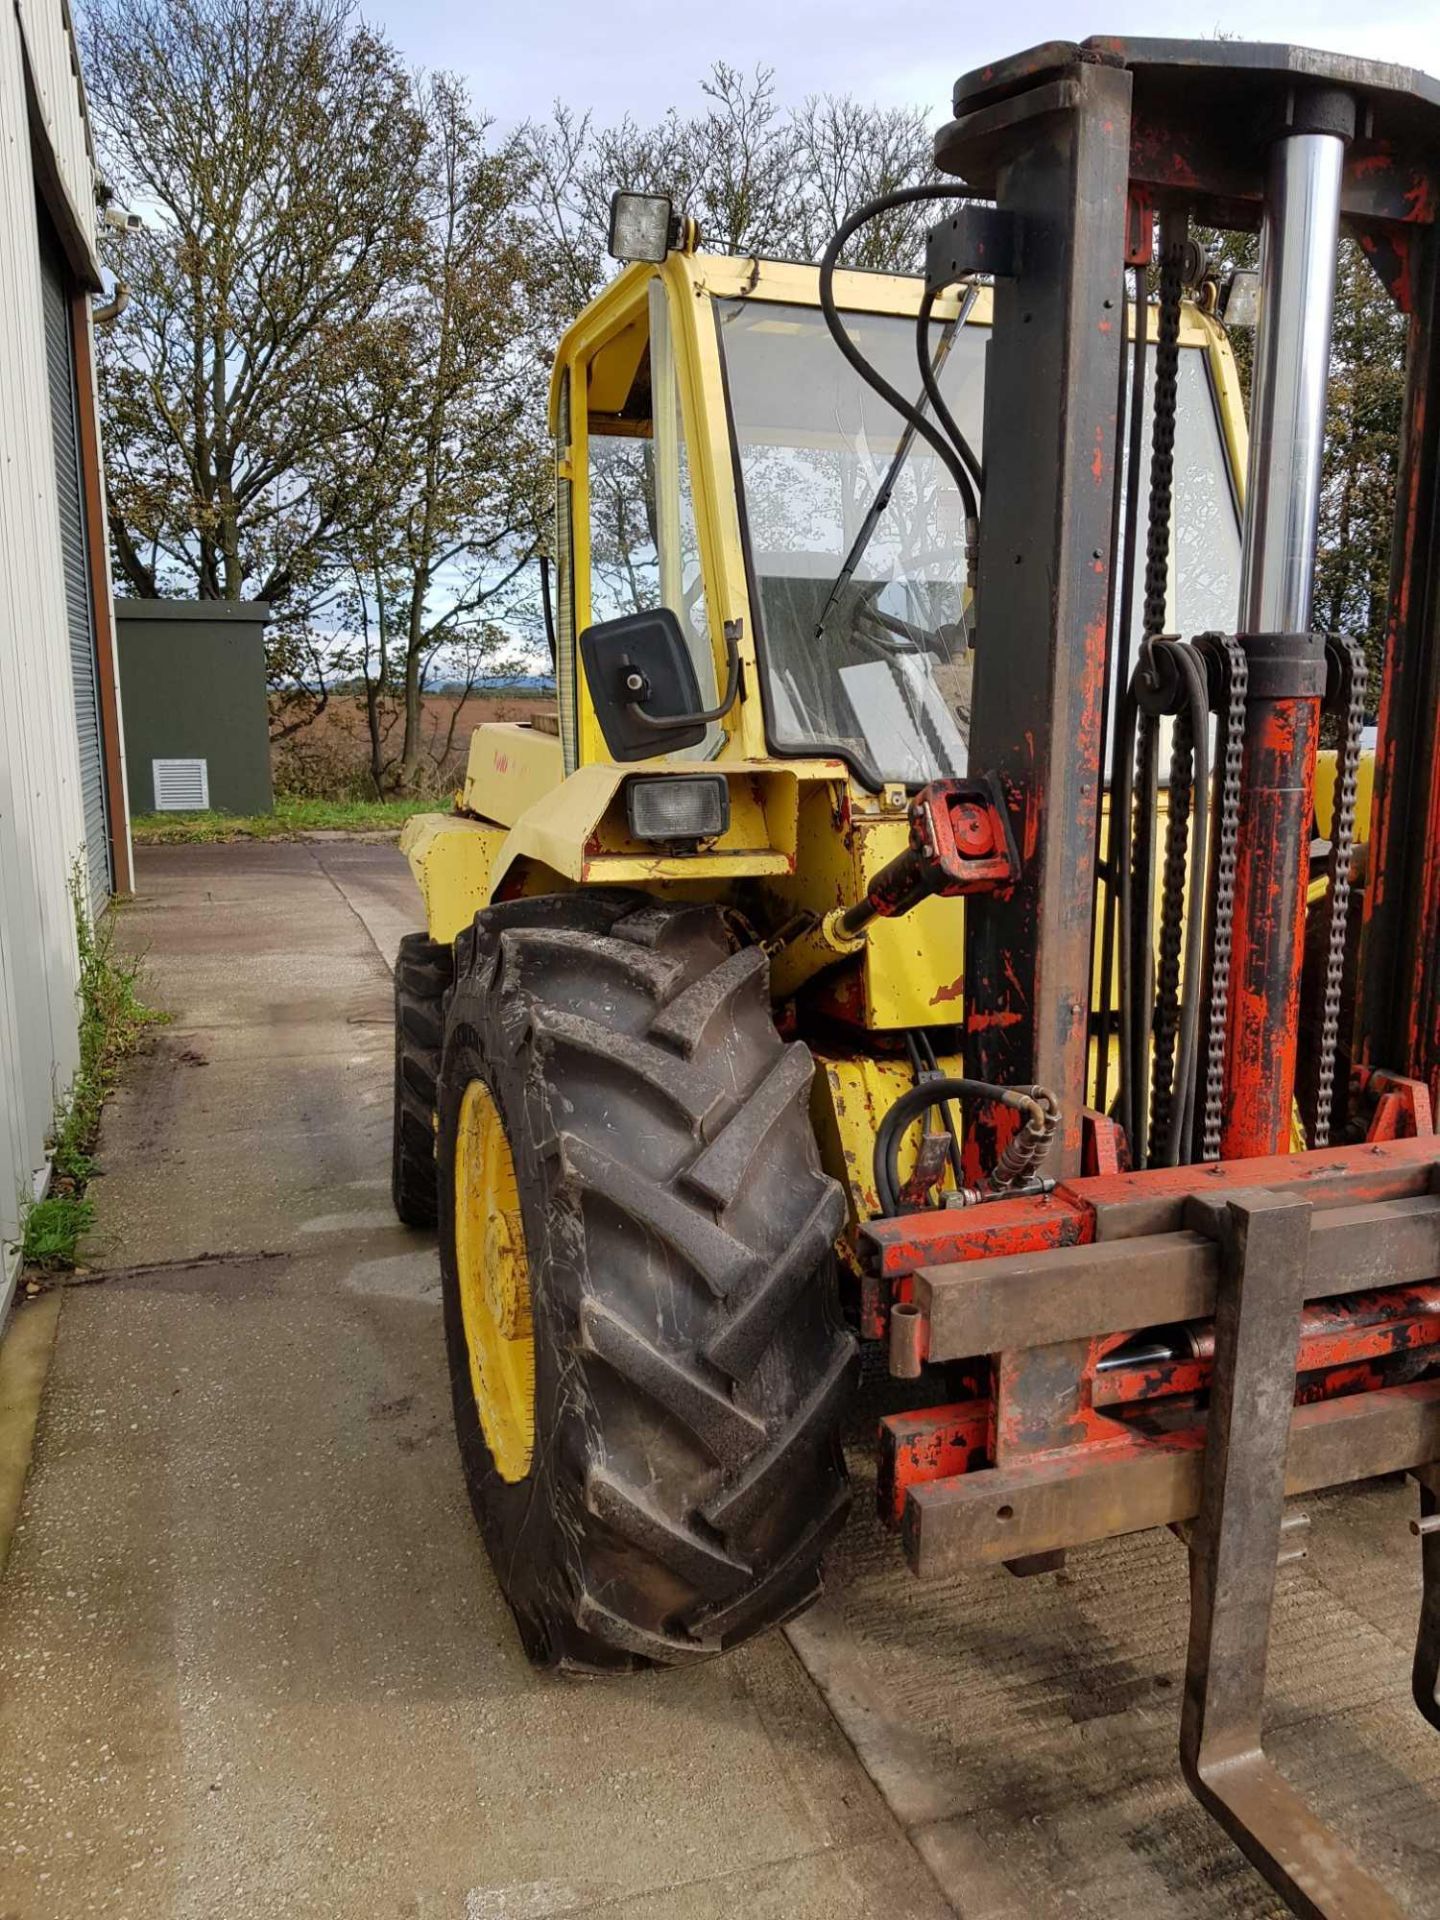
1000,1017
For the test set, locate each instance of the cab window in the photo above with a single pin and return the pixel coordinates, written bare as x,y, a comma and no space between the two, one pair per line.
644,535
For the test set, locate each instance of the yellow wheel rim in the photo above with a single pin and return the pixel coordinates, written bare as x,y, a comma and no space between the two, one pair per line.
493,1271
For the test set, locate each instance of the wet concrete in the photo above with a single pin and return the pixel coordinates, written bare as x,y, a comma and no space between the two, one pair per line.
252,1660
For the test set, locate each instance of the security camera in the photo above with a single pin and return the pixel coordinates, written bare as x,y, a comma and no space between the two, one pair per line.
123,220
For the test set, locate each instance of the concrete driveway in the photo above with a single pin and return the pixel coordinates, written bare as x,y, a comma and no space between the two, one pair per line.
252,1661
251,1658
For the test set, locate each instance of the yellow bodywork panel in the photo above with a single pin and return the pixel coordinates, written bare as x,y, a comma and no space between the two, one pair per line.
849,1097
579,829
512,765
451,858
909,972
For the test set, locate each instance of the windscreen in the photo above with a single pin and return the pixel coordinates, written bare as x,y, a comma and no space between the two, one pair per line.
878,666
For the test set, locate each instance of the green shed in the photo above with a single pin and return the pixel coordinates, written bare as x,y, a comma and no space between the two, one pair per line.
193,705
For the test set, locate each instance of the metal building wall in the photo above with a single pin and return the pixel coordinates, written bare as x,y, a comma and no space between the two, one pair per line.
74,548
44,150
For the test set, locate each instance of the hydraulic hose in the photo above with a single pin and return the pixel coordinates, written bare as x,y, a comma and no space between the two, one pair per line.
936,398
1038,1107
1122,804
924,1065
871,210
1187,1072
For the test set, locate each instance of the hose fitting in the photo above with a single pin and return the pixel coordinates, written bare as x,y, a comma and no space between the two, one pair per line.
1026,1149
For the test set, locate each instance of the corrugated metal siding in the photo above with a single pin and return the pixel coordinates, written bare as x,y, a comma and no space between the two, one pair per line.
80,618
50,43
42,826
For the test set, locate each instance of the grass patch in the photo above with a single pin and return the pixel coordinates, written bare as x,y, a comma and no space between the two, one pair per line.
113,1019
292,816
54,1228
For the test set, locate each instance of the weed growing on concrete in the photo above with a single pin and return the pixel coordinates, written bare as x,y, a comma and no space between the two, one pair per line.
112,1020
54,1228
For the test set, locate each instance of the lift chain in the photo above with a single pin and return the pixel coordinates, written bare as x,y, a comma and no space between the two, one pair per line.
1347,694
1162,442
1165,1014
1236,681
1172,926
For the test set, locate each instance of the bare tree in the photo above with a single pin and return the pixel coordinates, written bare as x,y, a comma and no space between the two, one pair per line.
449,430
759,178
271,146
847,154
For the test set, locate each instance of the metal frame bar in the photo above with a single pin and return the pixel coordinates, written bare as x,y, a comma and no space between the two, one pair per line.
1400,1011
1425,1676
1057,150
1143,1477
1234,1550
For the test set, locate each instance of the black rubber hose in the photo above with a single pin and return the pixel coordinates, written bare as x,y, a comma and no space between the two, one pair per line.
929,1063
1122,804
936,398
918,1100
872,209
1187,1066
1142,917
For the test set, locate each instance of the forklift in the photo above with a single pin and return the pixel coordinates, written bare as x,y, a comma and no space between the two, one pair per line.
930,919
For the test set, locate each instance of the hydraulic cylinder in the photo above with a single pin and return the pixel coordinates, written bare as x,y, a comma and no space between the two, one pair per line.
1299,242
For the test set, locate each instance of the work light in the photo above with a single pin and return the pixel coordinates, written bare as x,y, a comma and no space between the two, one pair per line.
642,226
678,806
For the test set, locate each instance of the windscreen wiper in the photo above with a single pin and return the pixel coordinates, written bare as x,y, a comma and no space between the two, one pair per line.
892,472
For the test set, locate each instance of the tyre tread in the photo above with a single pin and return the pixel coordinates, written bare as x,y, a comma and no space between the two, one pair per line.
716,1530
424,970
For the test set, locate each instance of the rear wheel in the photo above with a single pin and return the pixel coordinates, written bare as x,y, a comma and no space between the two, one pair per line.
647,1362
423,972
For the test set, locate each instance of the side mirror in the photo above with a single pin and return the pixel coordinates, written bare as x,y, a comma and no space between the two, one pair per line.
642,681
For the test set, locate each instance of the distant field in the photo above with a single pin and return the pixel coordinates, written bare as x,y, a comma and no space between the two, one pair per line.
332,753
440,714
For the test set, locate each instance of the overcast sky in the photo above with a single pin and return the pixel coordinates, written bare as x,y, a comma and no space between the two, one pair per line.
646,55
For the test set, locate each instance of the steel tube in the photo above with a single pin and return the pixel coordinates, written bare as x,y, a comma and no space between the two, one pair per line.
1299,245
1277,799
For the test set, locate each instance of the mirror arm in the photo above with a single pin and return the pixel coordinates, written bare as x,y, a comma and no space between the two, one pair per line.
669,723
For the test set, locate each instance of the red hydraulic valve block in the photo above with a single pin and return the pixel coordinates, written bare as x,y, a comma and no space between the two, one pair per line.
960,842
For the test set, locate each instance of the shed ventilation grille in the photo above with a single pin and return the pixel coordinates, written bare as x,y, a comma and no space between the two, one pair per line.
181,786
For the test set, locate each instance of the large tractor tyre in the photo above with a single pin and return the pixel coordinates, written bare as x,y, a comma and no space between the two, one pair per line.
423,972
647,1362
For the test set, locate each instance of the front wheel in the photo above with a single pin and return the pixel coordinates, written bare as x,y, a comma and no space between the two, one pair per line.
647,1363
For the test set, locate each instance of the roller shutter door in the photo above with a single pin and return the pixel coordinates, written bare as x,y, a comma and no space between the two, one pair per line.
60,360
